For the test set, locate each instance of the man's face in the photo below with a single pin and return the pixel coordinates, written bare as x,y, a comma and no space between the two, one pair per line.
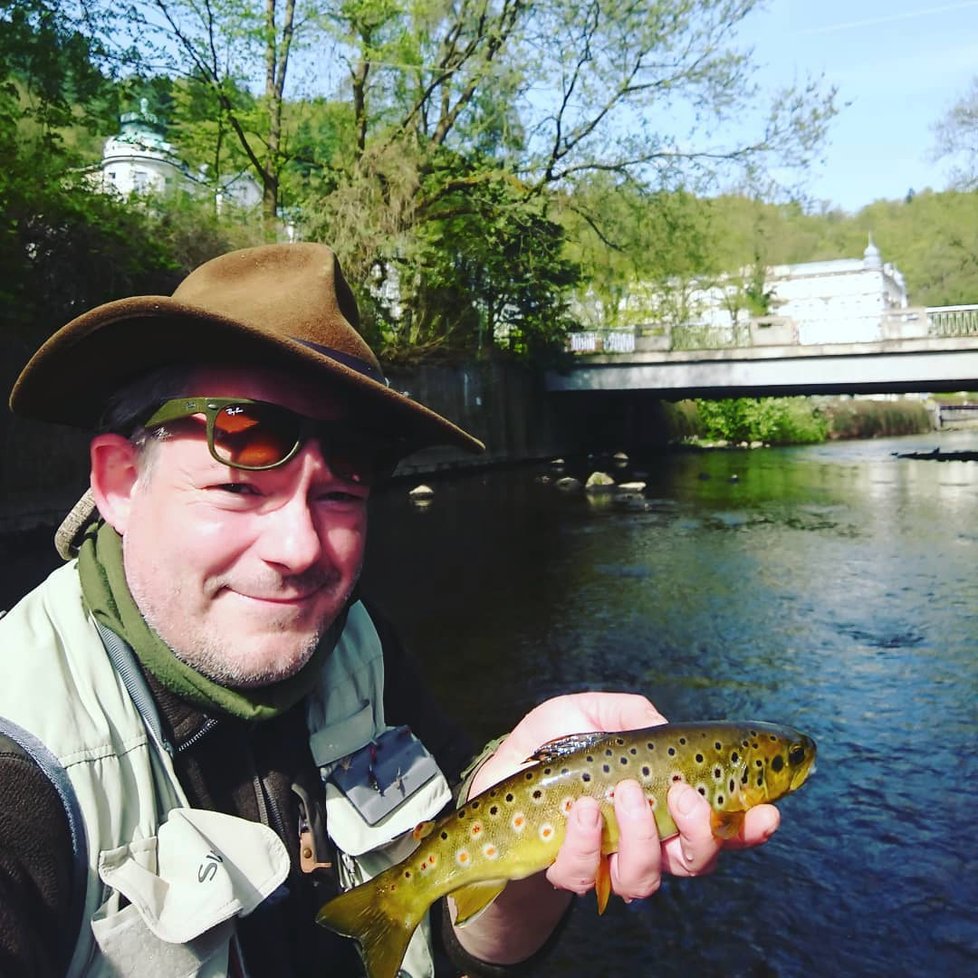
241,573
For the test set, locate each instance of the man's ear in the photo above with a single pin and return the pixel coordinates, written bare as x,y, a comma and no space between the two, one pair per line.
114,474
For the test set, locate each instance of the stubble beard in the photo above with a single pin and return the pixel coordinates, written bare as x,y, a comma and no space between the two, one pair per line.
217,657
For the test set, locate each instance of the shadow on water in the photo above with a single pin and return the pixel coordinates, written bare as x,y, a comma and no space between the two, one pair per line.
830,587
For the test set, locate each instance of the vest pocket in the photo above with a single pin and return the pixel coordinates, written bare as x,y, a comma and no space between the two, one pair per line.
184,887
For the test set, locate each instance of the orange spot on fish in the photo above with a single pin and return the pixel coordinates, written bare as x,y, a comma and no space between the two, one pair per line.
462,857
519,822
422,829
546,832
476,829
490,851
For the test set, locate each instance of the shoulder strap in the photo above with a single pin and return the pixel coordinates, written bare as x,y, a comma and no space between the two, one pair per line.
54,770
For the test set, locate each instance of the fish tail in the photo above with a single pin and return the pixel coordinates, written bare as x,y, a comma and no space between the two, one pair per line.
382,930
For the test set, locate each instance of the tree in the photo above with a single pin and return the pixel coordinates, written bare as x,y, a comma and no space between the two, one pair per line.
956,136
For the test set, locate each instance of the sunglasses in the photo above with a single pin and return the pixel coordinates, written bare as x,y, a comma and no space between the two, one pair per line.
255,436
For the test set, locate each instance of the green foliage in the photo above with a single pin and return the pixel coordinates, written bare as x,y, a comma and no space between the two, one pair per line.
771,420
851,418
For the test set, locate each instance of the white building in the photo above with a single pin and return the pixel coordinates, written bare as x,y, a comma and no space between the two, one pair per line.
840,301
139,160
845,300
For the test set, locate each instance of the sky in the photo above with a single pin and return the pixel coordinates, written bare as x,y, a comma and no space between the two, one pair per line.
899,64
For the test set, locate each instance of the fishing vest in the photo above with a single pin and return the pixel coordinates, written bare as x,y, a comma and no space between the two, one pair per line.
165,882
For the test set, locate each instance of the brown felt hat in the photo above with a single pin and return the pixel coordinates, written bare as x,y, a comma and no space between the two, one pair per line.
286,305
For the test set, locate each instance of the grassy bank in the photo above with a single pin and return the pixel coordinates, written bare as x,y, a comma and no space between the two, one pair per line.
796,420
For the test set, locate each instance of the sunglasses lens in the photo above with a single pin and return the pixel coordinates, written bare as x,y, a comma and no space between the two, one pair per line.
254,436
357,456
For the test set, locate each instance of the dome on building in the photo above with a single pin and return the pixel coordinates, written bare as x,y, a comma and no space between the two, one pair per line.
871,256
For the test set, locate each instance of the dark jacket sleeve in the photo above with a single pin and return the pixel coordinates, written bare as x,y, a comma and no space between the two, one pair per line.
36,863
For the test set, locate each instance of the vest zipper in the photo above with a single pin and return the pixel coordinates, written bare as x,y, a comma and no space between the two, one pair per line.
208,725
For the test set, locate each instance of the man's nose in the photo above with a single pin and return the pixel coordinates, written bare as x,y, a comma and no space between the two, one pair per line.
290,536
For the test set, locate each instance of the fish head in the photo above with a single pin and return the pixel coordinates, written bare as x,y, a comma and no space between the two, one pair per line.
778,761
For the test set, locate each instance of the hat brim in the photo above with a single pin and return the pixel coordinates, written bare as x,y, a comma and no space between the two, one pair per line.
69,379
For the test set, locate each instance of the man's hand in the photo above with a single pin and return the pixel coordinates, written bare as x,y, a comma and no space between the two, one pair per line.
524,914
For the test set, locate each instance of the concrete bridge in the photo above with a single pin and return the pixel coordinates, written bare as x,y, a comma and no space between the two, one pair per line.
920,350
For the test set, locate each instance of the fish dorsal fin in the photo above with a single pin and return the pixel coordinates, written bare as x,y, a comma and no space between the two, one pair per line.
471,900
562,746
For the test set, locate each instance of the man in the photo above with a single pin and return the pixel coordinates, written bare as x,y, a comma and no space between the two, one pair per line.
198,707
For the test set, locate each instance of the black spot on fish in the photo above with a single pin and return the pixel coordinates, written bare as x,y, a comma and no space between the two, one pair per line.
646,771
743,777
672,751
717,773
529,775
624,760
759,763
633,751
509,797
461,813
719,799
589,759
702,790
732,786
620,741
444,837
760,781
494,810
538,794
699,758
407,874
682,740
734,757
718,745
650,746
565,770
585,777
608,752
777,762
474,805
548,771
606,768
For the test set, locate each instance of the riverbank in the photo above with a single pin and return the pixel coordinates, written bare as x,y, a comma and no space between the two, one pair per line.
518,422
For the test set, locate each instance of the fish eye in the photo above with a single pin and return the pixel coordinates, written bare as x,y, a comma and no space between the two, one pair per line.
796,755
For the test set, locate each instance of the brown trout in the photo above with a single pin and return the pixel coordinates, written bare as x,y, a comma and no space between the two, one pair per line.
515,828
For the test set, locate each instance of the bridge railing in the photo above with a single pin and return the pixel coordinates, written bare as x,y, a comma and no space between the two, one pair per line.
953,320
895,324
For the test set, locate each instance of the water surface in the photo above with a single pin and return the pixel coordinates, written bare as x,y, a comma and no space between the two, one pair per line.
830,587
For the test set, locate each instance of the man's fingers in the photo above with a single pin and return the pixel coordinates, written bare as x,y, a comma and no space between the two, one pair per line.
576,864
636,867
694,851
760,823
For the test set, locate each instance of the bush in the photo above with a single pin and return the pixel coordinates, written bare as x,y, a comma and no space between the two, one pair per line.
876,419
772,420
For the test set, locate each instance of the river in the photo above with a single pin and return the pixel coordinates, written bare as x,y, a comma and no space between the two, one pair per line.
831,587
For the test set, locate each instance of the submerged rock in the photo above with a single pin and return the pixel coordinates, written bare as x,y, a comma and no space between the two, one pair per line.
599,482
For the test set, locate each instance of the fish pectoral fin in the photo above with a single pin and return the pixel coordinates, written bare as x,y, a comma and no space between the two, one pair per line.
726,825
472,899
555,749
602,883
